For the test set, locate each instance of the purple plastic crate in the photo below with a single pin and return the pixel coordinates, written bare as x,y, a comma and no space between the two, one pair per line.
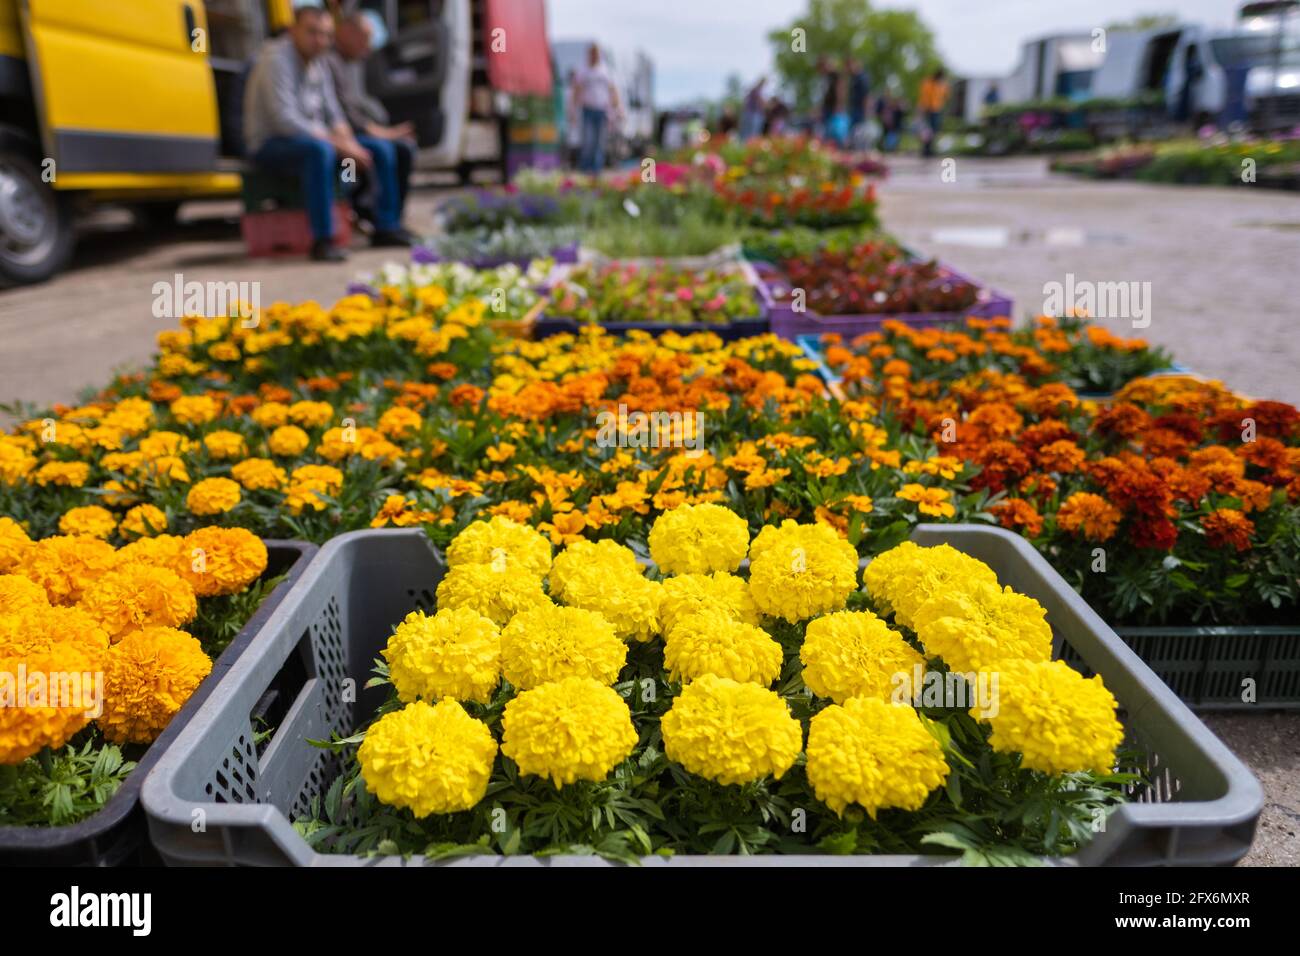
566,255
789,324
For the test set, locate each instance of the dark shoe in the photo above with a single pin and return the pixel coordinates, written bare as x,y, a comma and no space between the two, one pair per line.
392,238
324,250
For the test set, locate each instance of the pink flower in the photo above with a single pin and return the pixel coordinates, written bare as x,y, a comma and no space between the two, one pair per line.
717,302
685,295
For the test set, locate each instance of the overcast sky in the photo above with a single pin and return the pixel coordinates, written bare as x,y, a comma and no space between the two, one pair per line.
695,44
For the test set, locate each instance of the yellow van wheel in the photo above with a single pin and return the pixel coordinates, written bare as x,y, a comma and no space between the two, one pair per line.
36,223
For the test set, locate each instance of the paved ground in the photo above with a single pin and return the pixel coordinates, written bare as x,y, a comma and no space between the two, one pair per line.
1221,263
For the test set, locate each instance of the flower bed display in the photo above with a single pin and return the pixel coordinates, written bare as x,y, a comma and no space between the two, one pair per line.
858,288
592,725
104,655
1188,492
654,296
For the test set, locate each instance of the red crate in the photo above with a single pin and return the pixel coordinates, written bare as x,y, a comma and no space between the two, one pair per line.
287,232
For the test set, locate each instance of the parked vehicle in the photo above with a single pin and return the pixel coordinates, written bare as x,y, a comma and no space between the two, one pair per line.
147,109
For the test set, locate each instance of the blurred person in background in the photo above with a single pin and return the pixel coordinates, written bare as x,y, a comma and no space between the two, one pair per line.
752,115
572,122
859,97
776,118
353,44
930,104
727,123
596,96
293,124
892,114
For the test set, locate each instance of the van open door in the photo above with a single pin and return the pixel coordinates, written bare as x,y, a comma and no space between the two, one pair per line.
121,88
406,73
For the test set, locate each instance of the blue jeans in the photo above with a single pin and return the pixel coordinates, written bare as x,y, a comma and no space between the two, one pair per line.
316,164
591,158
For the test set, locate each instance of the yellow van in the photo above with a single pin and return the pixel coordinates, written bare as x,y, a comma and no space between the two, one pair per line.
116,101
140,102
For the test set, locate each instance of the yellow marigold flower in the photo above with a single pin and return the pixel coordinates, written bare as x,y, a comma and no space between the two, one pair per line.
1058,720
133,596
400,422
271,414
731,731
13,543
573,729
18,592
167,468
630,602
65,474
856,654
90,520
148,677
195,409
799,571
498,595
160,551
456,653
717,594
548,643
15,464
143,521
213,496
714,644
579,558
215,561
503,543
311,414
259,474
428,758
288,441
904,578
971,625
40,629
165,444
875,754
929,501
308,483
64,565
224,352
698,539
31,717
223,445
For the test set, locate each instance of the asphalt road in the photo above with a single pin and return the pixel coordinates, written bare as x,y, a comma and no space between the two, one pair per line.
1221,266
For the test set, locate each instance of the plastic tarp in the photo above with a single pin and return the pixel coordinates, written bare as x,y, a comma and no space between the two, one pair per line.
518,53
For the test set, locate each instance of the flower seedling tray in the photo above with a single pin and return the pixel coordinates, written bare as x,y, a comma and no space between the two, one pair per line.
727,258
1198,806
117,834
790,324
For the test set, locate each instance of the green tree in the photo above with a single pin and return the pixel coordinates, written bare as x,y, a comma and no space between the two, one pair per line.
1145,21
889,43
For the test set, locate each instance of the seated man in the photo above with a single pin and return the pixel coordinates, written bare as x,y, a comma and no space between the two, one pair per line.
293,123
365,114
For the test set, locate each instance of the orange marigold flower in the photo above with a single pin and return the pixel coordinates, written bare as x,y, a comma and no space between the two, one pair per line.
1226,528
1063,457
1092,514
1017,513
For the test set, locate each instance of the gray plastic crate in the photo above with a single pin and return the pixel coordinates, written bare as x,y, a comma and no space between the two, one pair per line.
116,834
214,798
1207,667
